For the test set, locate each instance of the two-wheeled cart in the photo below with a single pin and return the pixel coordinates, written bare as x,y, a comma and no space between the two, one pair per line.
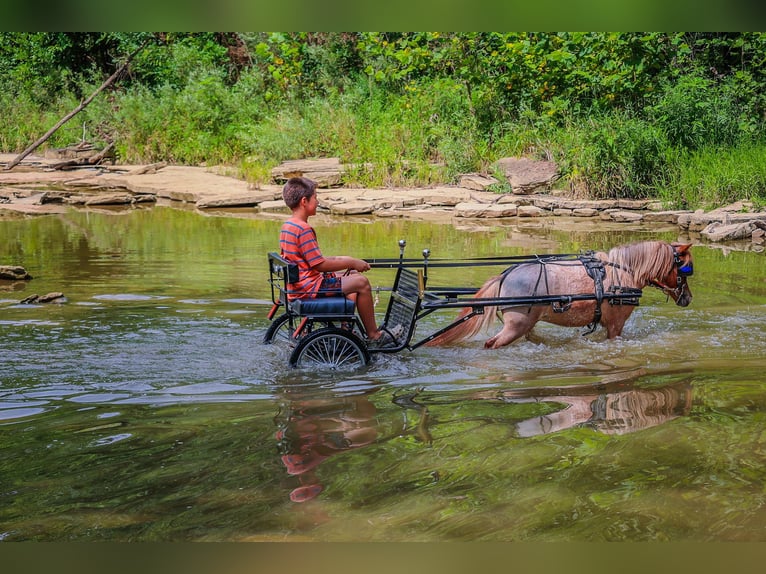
326,333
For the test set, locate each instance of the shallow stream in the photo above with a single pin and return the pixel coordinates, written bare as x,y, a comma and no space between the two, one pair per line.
145,407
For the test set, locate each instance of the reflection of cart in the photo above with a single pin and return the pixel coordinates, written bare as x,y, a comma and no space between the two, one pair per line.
325,332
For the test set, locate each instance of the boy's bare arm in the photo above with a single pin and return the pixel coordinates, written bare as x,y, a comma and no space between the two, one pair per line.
341,262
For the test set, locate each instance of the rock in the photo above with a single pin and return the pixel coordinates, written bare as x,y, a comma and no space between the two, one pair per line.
353,208
598,204
664,216
529,211
117,198
326,172
748,230
444,195
14,273
54,297
234,199
151,168
476,181
273,205
736,207
33,209
81,150
585,212
625,216
632,203
699,220
528,176
485,210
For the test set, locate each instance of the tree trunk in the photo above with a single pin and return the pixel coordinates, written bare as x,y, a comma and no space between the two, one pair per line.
74,112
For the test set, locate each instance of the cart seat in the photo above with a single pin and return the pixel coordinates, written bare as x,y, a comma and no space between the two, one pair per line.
322,306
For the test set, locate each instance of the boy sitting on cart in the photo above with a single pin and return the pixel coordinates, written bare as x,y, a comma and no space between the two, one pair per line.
318,275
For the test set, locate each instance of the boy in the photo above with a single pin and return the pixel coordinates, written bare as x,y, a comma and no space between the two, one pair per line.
298,244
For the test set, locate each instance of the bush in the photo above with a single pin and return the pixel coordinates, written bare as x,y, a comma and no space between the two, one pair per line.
695,112
619,157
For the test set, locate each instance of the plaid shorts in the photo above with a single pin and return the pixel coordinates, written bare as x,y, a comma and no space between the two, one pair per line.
330,287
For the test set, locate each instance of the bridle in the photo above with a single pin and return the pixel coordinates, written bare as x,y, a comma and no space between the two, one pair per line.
683,270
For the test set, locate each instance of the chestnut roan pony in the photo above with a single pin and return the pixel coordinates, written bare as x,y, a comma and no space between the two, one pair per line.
647,263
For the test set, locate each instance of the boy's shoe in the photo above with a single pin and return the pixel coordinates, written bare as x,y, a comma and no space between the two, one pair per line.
388,339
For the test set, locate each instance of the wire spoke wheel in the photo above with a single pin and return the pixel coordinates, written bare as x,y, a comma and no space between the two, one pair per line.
330,348
279,330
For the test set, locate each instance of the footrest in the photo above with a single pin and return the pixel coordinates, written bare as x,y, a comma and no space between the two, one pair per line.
323,306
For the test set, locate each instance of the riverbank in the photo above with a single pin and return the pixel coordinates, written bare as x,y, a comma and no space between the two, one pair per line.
36,188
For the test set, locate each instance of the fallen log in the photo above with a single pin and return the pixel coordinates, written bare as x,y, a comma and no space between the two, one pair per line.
95,159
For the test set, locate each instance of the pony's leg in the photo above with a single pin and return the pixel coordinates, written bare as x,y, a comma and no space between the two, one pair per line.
515,325
615,319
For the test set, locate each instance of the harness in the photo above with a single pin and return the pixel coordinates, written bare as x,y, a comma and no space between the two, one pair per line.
595,268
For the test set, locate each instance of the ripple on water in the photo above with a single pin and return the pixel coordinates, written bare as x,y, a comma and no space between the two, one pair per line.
20,413
25,322
128,297
108,440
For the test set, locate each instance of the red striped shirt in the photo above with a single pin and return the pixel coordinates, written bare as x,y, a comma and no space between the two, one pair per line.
298,244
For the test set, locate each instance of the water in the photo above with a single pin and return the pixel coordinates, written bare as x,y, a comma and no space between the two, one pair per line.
145,408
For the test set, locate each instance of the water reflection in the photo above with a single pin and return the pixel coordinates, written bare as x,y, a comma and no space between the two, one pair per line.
611,408
311,428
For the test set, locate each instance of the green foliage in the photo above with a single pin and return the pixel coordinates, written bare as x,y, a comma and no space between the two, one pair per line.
619,112
694,112
620,157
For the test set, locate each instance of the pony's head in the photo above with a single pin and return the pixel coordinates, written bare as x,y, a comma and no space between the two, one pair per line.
673,283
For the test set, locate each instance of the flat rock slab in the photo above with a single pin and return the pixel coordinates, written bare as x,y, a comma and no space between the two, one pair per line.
747,230
477,181
27,209
699,220
353,208
623,216
485,210
527,175
327,172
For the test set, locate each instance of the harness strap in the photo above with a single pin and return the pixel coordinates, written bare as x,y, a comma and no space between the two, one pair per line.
596,271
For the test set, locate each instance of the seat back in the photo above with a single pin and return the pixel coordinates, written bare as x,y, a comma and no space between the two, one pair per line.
283,273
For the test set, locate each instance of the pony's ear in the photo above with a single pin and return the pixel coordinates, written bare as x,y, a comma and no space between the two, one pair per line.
682,247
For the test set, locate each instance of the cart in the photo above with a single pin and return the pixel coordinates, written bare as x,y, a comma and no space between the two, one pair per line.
325,333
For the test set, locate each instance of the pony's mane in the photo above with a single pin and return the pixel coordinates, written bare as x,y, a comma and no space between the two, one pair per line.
643,260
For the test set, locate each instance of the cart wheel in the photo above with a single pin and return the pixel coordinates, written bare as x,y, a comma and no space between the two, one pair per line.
330,348
279,330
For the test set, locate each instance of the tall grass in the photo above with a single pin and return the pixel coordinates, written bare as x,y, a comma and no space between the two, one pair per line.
715,176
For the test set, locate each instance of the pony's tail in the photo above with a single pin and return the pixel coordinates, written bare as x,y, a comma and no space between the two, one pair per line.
475,324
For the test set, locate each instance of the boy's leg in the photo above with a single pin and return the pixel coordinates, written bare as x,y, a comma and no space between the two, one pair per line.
358,284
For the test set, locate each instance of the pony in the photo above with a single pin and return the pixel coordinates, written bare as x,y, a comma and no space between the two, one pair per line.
659,264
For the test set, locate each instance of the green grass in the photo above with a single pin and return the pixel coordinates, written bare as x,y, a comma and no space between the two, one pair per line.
716,176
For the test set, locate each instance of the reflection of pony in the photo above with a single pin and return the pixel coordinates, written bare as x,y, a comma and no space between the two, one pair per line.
656,263
608,408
